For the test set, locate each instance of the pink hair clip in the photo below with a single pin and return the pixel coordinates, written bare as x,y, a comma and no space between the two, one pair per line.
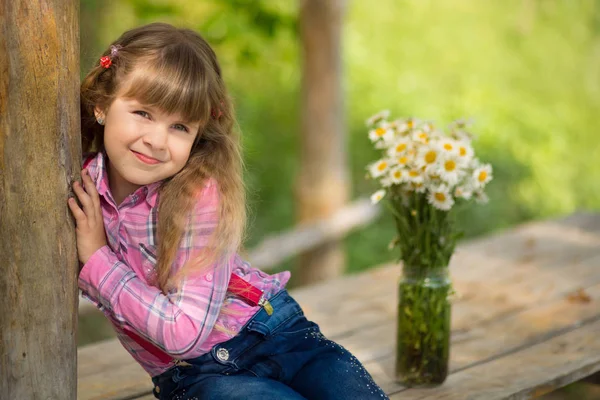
106,61
216,114
114,50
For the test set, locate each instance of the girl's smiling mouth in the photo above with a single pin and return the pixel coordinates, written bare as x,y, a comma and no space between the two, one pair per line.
145,159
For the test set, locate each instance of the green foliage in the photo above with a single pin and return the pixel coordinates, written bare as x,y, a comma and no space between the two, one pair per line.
527,71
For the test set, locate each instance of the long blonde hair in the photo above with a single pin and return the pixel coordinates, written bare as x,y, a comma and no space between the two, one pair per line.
177,71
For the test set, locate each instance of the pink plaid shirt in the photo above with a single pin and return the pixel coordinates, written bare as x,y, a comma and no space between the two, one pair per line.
117,278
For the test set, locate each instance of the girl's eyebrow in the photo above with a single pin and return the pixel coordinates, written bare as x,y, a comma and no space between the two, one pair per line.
134,103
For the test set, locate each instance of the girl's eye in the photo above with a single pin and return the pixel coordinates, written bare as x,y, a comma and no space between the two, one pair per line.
180,127
142,113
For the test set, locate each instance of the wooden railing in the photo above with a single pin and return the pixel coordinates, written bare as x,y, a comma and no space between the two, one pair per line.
279,247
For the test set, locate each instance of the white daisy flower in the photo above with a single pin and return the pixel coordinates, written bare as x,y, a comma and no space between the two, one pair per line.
381,133
382,115
403,160
387,125
420,136
449,169
448,145
415,175
399,147
427,127
482,175
396,124
440,198
427,157
408,125
463,192
465,152
379,168
398,175
377,196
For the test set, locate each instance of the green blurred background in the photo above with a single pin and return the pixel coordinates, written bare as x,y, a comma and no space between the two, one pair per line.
526,71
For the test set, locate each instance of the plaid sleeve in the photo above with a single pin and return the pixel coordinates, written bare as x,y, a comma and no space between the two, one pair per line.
178,322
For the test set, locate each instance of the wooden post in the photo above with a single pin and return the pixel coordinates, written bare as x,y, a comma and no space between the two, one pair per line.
323,185
40,155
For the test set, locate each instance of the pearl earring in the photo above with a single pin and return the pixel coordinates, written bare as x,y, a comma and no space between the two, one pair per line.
100,120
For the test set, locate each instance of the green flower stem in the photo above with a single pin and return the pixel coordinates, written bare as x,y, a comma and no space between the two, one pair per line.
427,239
423,333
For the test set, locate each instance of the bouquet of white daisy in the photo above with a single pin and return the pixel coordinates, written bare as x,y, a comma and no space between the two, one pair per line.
424,172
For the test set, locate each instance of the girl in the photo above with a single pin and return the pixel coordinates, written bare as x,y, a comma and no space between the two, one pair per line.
161,221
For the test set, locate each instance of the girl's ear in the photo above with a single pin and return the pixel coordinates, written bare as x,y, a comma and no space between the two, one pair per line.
98,113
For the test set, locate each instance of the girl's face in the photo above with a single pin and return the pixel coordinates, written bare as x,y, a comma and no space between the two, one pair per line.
144,144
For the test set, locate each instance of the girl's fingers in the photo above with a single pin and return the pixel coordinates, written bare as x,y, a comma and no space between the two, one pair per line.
77,212
81,193
85,200
90,188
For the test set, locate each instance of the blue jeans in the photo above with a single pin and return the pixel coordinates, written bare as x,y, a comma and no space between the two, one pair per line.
278,357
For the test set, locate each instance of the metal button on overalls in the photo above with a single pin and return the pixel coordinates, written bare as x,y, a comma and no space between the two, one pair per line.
223,354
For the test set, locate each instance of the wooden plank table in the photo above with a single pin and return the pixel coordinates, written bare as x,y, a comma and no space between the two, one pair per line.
525,321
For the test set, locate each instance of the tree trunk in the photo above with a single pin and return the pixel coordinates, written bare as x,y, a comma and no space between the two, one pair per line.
323,184
40,155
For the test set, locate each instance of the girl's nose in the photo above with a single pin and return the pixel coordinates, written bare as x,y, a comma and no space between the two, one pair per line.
157,138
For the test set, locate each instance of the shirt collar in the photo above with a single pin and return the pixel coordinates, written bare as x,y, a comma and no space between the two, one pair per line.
101,174
150,191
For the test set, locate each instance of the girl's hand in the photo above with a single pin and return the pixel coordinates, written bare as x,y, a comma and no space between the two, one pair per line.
90,225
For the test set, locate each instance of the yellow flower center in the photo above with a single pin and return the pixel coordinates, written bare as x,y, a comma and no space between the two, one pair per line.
462,151
403,160
382,166
430,157
482,176
423,136
410,124
448,146
450,165
441,197
398,174
379,132
413,173
401,147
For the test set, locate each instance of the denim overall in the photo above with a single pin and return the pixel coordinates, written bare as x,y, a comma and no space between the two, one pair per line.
274,357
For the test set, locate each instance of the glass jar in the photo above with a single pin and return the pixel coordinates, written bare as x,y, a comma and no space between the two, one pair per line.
423,327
